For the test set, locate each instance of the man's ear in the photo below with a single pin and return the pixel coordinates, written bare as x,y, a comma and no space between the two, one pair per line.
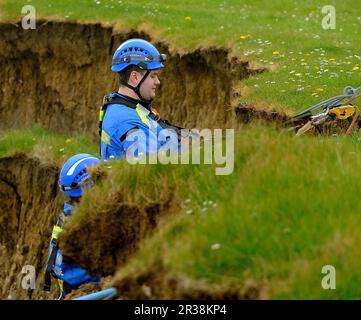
134,77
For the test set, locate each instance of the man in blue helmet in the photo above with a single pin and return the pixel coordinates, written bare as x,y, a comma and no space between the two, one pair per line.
130,109
73,180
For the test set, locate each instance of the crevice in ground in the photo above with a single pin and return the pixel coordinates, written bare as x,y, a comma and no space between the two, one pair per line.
56,76
28,211
101,243
247,114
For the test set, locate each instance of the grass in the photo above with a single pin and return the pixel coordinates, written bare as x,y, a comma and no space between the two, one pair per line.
309,63
291,207
45,144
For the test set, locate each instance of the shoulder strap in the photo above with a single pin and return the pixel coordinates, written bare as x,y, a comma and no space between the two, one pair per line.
57,230
49,267
107,100
164,124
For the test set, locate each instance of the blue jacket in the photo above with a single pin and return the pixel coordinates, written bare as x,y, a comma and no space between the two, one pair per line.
71,274
120,119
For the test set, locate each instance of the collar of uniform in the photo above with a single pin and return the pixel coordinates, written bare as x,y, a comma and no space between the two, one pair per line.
144,104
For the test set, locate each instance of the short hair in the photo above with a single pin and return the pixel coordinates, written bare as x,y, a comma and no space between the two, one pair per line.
124,75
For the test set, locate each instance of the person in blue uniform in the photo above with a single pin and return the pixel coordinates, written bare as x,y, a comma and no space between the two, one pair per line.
127,116
73,180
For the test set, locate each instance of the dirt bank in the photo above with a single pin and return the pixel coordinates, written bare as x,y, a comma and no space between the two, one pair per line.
30,202
102,242
247,114
56,76
104,239
155,282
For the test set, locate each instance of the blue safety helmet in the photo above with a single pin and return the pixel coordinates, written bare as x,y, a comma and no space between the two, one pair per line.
73,175
139,53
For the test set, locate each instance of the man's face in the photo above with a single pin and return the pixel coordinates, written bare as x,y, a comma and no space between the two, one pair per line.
150,85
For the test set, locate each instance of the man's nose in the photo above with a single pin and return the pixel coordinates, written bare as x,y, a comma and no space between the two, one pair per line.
157,81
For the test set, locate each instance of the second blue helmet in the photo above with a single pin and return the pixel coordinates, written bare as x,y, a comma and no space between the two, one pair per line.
74,177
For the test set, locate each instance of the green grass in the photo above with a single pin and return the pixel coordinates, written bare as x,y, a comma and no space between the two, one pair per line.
45,144
290,207
301,69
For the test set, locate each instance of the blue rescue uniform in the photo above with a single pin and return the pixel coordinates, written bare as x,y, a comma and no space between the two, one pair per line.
120,119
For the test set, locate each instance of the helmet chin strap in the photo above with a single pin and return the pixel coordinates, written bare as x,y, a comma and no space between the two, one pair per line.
137,88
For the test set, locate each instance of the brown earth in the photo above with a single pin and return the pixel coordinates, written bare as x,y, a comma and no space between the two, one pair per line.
104,239
30,202
155,282
249,114
57,75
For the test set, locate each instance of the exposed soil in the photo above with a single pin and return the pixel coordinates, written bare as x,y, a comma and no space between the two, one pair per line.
30,202
249,114
157,283
30,205
57,75
104,240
